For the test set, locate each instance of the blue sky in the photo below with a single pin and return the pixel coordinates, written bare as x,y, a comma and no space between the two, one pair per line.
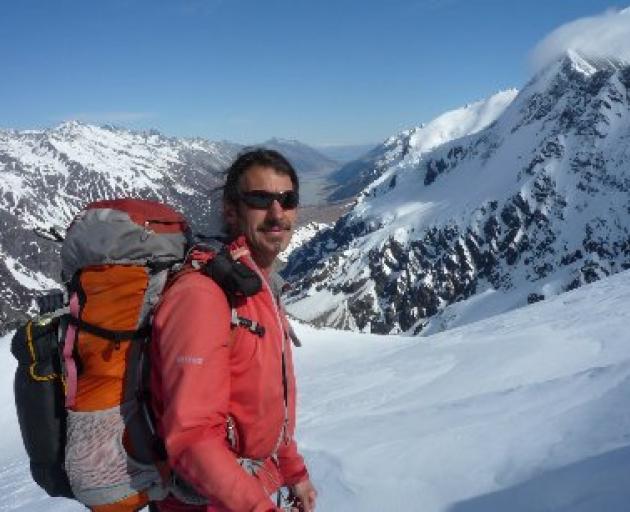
321,71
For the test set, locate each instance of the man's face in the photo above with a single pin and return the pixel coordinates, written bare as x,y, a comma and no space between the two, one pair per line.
267,231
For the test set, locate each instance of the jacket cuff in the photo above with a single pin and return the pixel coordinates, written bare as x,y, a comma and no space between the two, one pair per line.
296,478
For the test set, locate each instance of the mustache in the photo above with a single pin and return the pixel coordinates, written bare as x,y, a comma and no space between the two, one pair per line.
272,224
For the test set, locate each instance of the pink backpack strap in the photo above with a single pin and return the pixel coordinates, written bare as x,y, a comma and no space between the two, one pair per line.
70,366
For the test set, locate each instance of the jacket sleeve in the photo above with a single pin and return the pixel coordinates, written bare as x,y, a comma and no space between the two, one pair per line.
291,464
191,331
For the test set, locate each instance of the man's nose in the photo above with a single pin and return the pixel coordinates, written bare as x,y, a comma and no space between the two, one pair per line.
275,210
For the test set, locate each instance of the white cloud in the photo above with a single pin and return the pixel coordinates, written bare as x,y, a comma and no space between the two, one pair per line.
605,35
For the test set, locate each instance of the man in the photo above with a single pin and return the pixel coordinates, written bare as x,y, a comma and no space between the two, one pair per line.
224,395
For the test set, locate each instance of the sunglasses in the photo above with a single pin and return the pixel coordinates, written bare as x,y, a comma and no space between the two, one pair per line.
262,199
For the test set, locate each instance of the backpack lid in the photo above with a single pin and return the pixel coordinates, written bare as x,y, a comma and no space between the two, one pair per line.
124,231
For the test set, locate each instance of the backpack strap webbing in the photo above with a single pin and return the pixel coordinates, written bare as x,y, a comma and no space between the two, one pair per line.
115,336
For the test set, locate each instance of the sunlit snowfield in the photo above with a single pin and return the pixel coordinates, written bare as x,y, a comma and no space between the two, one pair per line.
527,411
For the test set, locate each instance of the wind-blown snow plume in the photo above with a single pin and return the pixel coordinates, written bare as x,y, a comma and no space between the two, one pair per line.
604,35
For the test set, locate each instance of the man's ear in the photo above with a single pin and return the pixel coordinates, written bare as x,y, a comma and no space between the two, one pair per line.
230,216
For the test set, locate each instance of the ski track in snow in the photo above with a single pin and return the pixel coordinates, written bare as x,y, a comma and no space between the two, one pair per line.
525,411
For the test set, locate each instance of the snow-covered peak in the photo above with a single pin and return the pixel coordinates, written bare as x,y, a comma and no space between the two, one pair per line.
71,125
459,122
579,63
453,124
590,64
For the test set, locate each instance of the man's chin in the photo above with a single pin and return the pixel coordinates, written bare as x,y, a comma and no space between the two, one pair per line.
277,247
271,246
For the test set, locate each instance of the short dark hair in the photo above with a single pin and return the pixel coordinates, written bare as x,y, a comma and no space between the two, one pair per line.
256,157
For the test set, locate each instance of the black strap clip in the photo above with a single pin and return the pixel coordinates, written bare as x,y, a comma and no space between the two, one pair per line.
251,325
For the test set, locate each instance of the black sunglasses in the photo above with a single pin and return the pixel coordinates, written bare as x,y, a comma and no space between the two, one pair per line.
262,199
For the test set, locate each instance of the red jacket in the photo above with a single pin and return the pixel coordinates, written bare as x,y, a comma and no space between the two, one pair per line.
203,372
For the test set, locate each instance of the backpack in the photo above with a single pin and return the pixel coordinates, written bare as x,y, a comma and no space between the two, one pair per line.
81,385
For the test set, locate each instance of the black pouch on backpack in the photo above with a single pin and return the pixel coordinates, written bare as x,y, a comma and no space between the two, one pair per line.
39,400
235,278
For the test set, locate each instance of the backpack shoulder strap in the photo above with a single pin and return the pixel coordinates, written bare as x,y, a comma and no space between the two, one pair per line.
213,259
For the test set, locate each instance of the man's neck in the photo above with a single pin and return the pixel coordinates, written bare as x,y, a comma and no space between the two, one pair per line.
264,265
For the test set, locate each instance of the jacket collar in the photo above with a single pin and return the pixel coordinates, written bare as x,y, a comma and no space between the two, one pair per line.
276,282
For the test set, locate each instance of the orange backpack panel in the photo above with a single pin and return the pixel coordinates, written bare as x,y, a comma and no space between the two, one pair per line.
114,295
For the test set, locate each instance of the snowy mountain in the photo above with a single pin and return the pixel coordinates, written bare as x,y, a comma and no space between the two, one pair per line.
535,204
75,163
522,412
410,144
47,176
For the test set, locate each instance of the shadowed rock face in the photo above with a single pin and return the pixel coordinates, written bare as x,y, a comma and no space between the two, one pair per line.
539,202
35,253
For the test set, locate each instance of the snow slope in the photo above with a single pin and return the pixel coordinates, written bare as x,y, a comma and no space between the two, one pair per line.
521,412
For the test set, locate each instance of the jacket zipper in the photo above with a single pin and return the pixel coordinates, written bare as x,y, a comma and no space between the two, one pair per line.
284,429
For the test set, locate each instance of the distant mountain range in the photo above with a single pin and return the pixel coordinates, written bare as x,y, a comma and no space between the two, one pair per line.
346,153
313,166
536,203
309,160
